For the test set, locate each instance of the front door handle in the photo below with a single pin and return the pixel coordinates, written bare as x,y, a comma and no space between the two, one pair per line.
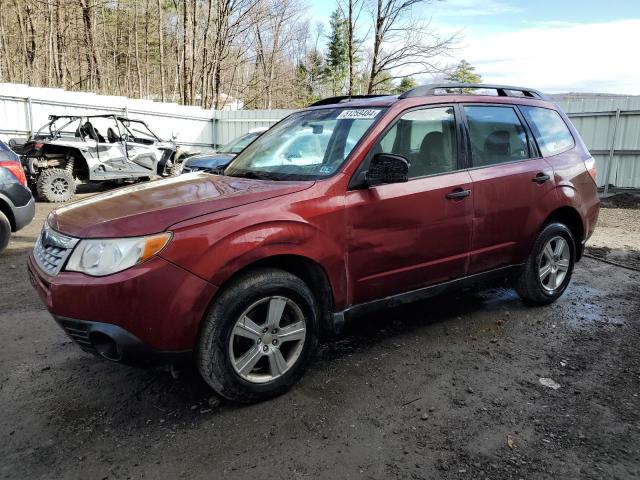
540,178
458,193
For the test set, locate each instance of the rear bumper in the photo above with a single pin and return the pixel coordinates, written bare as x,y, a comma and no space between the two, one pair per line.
117,344
24,215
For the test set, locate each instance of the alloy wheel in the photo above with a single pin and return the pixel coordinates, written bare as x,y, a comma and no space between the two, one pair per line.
554,263
59,186
267,339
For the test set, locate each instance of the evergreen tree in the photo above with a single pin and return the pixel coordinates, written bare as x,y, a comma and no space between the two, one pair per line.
337,67
309,77
464,73
407,83
385,84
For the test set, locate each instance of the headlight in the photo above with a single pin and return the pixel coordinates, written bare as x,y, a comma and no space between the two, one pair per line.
106,256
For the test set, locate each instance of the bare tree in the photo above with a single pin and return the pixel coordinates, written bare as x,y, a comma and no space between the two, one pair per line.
93,58
403,45
351,11
200,52
161,51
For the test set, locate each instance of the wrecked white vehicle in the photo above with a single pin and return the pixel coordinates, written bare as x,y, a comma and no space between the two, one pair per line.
79,149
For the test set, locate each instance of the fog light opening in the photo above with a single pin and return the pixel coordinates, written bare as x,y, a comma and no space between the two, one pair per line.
106,347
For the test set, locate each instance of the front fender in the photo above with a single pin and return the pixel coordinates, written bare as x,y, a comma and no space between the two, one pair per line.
216,252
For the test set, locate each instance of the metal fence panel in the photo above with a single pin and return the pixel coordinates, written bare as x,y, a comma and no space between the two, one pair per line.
610,127
231,124
25,109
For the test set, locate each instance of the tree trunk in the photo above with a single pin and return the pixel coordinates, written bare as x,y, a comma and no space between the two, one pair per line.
194,25
135,39
350,46
185,46
205,50
161,52
377,41
92,52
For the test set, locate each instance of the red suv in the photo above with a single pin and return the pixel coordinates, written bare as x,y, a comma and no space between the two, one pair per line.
350,205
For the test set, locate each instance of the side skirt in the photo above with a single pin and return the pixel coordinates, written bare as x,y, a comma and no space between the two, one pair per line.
360,309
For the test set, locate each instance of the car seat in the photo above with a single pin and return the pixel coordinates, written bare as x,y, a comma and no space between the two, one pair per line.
497,147
92,132
431,157
112,136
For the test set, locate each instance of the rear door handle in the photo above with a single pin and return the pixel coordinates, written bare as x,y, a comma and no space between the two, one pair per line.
458,193
540,178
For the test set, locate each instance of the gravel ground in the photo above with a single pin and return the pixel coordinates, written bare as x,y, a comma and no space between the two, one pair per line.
448,388
617,236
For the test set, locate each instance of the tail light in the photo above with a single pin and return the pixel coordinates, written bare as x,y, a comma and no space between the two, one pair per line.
590,163
16,169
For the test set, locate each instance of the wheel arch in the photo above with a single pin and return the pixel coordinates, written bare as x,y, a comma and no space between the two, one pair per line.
305,268
570,217
80,165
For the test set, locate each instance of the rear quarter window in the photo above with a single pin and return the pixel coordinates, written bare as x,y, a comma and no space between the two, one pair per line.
548,127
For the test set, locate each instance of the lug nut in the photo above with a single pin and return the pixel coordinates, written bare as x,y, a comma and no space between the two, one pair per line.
275,342
264,330
259,341
274,331
265,349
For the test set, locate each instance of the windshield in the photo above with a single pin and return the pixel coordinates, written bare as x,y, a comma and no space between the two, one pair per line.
239,144
138,130
62,126
306,145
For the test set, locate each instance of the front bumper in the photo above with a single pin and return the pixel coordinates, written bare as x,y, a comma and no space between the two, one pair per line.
156,304
116,344
24,215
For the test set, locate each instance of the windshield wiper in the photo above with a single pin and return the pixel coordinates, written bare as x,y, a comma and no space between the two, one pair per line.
254,174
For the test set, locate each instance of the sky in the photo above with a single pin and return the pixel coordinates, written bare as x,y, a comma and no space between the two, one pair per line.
553,45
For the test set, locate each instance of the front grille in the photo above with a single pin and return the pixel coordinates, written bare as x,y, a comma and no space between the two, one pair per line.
78,332
52,250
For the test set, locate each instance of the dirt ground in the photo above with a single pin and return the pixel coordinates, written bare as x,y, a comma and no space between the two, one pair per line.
448,388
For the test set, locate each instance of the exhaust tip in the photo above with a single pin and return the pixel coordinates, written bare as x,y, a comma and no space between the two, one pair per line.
106,347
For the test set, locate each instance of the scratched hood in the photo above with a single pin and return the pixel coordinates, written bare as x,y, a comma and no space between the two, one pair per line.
153,207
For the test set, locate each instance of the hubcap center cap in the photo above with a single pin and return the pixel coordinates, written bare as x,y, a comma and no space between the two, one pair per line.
267,338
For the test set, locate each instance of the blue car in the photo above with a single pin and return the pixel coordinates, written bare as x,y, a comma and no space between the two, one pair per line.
218,161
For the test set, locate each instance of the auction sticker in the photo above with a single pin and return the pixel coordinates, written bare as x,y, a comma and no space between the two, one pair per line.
357,114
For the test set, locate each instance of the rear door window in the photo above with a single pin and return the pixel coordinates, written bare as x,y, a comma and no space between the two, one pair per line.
496,134
551,133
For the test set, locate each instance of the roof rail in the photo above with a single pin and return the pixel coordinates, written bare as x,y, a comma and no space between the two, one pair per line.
503,90
344,98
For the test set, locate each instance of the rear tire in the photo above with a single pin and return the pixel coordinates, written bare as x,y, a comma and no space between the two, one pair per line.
56,185
259,336
5,231
547,272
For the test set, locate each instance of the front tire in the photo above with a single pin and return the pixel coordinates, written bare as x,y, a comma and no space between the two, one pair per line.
547,272
259,336
56,185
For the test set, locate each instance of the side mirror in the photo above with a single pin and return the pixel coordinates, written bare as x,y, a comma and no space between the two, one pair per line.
387,168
